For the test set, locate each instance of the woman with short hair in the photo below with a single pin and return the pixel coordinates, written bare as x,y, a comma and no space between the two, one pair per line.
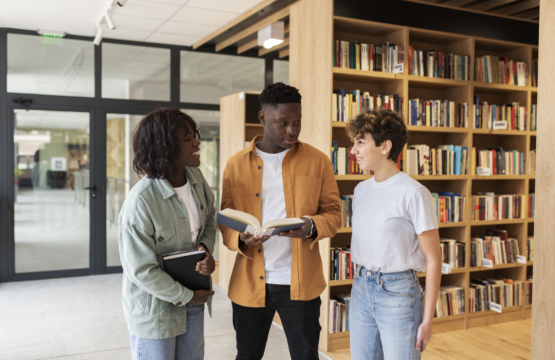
395,235
170,209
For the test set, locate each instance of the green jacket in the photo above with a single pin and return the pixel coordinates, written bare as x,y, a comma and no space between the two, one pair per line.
153,221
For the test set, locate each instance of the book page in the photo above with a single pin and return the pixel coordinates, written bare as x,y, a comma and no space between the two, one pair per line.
281,222
241,217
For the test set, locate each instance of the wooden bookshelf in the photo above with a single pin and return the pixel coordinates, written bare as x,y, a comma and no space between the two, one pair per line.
314,28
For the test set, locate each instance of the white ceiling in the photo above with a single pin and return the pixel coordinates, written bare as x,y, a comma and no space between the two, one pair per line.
178,22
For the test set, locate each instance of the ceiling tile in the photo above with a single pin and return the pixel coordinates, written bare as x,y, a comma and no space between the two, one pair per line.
203,16
179,28
173,39
145,9
136,23
124,34
236,6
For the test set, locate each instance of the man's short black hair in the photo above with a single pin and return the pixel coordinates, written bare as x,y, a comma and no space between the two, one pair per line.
279,93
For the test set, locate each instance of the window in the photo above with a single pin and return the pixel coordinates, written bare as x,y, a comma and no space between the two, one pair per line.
281,71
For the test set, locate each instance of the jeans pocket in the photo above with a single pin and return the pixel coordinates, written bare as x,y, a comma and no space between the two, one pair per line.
399,288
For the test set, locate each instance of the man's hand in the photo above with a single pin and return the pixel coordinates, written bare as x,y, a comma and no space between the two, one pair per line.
424,335
252,240
200,297
206,266
299,233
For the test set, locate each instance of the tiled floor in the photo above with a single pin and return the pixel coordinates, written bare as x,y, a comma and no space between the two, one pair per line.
81,318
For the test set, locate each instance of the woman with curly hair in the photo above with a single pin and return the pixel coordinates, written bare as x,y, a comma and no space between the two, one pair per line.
170,209
395,235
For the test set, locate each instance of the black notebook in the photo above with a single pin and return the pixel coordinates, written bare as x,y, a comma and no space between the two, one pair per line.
180,265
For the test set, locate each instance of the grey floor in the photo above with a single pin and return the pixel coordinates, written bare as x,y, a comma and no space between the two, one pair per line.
81,318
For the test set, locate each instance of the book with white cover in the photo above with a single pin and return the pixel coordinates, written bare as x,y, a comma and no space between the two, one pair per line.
241,221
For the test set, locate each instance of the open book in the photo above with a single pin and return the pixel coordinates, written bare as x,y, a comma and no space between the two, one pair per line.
241,221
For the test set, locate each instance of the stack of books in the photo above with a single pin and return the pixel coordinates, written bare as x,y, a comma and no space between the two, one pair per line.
450,207
453,253
502,291
495,246
488,206
514,114
450,301
346,211
341,265
441,113
492,69
530,248
437,64
339,313
347,105
534,117
445,160
367,57
500,162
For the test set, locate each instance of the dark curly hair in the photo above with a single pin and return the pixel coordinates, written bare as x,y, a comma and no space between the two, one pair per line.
156,143
279,93
382,125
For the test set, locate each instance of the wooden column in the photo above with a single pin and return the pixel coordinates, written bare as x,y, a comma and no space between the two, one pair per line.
543,306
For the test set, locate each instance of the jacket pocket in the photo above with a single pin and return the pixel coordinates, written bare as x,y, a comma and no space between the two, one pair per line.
165,239
308,190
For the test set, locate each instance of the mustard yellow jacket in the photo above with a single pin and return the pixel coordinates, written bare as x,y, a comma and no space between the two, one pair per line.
310,190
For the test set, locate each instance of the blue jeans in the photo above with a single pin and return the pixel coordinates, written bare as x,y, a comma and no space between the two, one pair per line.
386,310
188,346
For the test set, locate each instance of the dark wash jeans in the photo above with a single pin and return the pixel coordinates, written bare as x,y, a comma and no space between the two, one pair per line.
300,321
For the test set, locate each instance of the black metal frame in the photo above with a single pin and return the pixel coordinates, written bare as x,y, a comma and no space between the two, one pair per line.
98,108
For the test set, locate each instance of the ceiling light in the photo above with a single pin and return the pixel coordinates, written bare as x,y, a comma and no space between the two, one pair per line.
121,2
271,35
51,33
109,20
98,37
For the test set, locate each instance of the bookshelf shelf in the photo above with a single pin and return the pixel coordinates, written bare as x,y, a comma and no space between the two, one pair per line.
341,282
342,74
530,219
530,263
324,29
490,312
353,177
434,129
495,267
533,89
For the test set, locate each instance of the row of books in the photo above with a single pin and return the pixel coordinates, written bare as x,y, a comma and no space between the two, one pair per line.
445,160
346,211
367,57
450,207
500,162
347,105
531,205
450,301
339,313
535,72
343,162
437,64
495,246
341,265
534,117
453,253
488,206
502,291
514,114
492,69
441,113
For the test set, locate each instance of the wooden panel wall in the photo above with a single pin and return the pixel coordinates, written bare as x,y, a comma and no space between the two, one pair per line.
232,124
543,306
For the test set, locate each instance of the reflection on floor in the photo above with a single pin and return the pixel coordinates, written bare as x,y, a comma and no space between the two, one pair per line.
81,318
51,231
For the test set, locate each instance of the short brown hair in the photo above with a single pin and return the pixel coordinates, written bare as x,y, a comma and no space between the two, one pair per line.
382,125
156,143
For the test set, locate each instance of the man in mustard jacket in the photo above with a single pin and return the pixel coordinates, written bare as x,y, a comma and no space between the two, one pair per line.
275,177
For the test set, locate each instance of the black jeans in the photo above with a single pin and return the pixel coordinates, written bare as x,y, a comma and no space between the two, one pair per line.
300,321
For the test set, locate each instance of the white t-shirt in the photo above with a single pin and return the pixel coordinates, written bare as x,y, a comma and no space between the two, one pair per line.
387,217
277,249
186,195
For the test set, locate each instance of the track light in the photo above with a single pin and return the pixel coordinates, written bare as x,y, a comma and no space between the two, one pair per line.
98,37
271,35
109,20
121,2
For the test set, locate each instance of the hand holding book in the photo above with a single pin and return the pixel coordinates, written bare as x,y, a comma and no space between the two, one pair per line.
243,222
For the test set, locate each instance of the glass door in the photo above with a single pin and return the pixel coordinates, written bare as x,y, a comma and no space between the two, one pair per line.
52,210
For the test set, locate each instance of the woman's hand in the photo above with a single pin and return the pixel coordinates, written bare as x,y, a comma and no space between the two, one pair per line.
206,266
424,335
200,297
